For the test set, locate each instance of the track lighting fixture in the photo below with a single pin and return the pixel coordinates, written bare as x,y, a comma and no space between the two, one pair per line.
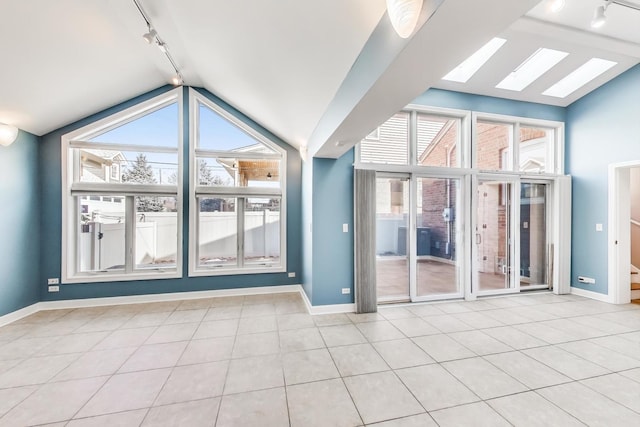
152,37
555,6
599,17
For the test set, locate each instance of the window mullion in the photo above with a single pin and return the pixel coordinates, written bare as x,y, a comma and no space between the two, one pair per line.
240,242
129,233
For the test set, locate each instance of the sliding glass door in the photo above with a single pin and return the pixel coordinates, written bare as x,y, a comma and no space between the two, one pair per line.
534,248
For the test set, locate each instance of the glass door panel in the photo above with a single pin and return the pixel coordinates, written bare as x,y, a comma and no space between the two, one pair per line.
492,236
437,269
533,236
392,239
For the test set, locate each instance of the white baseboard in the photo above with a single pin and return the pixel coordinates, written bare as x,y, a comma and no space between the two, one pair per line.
174,296
591,294
326,309
19,314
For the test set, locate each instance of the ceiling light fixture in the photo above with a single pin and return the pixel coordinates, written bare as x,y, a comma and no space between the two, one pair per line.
8,134
556,6
531,69
599,17
152,36
579,77
463,72
404,15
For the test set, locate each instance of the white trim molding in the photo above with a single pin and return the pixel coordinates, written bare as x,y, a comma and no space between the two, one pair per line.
19,314
326,309
591,294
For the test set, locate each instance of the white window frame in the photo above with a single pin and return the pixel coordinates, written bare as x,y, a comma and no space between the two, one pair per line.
195,99
71,189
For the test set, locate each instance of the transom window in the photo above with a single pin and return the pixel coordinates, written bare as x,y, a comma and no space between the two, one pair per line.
238,224
122,211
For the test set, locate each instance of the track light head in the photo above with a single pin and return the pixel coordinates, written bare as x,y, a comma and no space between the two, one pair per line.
556,6
162,47
599,18
177,80
150,37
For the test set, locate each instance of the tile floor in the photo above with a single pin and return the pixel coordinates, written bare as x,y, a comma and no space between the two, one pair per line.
528,360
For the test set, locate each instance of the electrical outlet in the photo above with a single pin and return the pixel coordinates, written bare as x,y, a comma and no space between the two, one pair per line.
292,274
53,281
54,288
346,291
587,280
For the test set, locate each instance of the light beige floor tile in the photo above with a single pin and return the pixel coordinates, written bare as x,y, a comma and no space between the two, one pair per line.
480,343
357,359
223,313
618,388
216,329
402,353
53,402
207,350
381,396
600,355
633,374
478,320
477,414
414,327
300,339
589,406
322,403
566,363
124,392
255,325
365,317
106,322
295,321
13,331
379,331
530,410
255,310
10,397
545,333
172,333
454,307
342,335
436,388
193,382
96,364
331,319
390,313
200,413
125,338
265,408
602,324
159,307
24,347
121,419
307,366
508,316
73,343
254,373
196,304
154,356
447,323
423,310
235,301
5,365
528,371
483,378
185,316
514,337
442,348
422,420
37,370
256,345
142,320
619,345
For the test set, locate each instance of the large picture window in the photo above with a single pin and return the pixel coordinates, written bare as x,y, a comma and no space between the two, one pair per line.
122,208
237,222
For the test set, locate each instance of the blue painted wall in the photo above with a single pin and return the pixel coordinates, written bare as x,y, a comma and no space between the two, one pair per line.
51,230
19,224
602,128
488,104
332,248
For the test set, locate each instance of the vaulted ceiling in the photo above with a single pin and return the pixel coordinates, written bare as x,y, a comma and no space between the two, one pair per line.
316,73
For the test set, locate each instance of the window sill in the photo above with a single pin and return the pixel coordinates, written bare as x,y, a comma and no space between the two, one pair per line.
105,277
221,271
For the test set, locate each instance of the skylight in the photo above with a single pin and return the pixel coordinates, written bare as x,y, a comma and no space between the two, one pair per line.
472,64
531,69
580,77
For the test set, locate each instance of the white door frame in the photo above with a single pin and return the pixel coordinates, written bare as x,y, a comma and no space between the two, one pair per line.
619,237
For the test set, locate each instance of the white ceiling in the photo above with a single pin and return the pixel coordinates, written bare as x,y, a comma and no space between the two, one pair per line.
569,31
286,64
